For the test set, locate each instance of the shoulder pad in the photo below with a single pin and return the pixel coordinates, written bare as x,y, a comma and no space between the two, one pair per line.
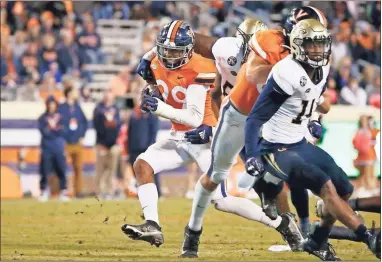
268,44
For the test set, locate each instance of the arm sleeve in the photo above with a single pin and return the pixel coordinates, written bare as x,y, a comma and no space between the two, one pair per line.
151,54
193,113
269,101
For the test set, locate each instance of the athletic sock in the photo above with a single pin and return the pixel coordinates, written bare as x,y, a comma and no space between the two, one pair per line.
362,232
247,209
320,234
304,225
200,204
148,196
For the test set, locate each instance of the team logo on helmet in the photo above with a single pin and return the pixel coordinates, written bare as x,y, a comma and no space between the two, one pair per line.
232,60
303,81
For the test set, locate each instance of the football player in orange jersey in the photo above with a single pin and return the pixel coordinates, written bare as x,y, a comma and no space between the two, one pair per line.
228,64
184,80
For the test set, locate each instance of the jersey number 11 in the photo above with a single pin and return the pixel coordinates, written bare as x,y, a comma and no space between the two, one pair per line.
305,103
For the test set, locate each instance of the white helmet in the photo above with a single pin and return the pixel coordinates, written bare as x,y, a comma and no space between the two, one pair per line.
310,43
245,31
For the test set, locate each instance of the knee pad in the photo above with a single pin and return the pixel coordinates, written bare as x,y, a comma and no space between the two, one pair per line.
218,177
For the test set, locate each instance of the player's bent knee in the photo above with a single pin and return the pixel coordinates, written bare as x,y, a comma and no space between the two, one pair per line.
328,190
143,171
218,177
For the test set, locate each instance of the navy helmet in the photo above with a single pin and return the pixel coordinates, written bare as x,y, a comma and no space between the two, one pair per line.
175,44
302,13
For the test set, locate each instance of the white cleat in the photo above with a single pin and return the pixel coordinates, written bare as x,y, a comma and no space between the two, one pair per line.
43,198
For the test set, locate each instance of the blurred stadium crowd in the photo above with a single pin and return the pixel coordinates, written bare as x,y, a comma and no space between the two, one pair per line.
53,48
46,44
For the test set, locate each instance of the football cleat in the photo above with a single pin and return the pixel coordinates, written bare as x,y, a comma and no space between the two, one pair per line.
191,241
373,241
291,232
150,232
325,252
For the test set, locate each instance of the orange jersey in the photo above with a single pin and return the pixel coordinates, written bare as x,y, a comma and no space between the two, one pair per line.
173,85
268,45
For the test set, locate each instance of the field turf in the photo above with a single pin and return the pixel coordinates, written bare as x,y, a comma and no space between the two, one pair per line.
90,230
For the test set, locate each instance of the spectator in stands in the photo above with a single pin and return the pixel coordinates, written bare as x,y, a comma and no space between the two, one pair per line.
76,126
117,10
68,53
344,72
29,63
142,133
20,45
3,65
368,76
107,123
47,20
19,16
49,57
70,25
363,142
89,43
52,128
374,92
86,95
353,94
29,91
34,29
363,42
331,91
340,45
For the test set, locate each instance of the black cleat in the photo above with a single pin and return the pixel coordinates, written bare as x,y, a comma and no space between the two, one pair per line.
325,252
190,243
373,241
269,206
291,232
150,232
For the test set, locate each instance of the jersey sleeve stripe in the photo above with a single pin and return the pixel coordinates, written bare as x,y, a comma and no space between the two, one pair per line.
205,80
257,47
206,75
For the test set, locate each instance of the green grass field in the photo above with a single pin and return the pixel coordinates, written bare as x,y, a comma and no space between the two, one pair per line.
90,230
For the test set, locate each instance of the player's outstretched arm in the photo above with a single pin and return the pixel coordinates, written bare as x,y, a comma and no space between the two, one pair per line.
193,113
204,44
269,101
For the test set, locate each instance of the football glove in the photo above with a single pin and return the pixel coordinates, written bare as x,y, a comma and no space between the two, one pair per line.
200,135
254,166
148,103
144,70
315,129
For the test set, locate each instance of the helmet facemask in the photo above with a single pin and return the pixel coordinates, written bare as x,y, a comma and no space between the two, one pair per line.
173,57
314,51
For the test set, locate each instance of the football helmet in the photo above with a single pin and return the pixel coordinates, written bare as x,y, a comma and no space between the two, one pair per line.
245,31
298,14
175,44
310,43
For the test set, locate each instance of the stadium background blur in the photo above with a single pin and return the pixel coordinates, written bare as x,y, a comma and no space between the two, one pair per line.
93,46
